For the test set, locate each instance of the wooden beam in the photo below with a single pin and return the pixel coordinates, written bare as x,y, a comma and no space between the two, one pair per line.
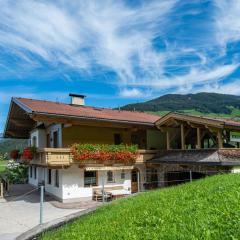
198,138
168,140
187,132
220,140
182,137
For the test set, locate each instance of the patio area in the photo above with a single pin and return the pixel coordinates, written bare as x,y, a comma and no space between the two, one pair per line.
20,211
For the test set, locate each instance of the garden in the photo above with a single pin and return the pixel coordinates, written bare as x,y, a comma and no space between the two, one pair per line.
16,169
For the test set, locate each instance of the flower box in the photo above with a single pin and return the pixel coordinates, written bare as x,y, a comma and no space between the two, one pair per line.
104,153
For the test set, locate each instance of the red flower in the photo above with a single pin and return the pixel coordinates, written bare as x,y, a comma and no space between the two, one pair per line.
103,154
28,153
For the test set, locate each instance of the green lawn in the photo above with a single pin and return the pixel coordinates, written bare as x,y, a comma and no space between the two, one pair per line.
2,166
205,209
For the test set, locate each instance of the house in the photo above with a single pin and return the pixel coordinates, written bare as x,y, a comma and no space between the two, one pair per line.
170,148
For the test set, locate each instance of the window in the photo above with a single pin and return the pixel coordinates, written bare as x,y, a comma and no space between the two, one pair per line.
117,139
123,174
49,176
35,172
34,141
152,177
31,171
90,178
109,176
56,178
55,139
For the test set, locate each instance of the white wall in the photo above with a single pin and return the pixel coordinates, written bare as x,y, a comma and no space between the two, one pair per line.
32,180
51,188
73,182
236,169
126,183
40,135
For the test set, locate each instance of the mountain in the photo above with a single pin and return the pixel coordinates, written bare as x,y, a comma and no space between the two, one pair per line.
199,103
6,145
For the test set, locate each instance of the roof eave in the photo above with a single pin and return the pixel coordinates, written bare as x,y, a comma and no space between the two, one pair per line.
93,118
21,105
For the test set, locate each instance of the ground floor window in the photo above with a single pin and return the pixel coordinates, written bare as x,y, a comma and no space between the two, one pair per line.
56,178
109,176
35,172
31,171
90,178
49,176
122,174
151,178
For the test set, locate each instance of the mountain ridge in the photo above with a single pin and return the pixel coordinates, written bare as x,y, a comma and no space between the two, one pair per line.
199,103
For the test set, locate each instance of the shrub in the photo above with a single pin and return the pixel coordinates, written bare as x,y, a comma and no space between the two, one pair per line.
16,172
126,154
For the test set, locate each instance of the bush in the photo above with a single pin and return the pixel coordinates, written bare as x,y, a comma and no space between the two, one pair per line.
16,172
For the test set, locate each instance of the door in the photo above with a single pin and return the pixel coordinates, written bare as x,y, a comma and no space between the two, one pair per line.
134,180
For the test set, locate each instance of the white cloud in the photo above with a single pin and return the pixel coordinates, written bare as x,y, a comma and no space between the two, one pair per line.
227,20
131,93
118,37
195,76
108,33
224,88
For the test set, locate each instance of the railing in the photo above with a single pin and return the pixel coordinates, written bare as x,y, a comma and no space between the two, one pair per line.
63,157
53,157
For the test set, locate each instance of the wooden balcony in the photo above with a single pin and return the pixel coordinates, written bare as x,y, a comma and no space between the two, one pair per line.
57,157
61,157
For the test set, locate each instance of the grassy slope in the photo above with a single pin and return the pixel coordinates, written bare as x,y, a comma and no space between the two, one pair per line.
204,209
234,113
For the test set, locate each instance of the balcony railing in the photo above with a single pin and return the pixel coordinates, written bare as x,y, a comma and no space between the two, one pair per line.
63,157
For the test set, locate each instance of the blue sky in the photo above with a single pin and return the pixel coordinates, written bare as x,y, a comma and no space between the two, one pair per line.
117,52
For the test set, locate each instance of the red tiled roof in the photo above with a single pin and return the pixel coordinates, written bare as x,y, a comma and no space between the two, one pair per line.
48,107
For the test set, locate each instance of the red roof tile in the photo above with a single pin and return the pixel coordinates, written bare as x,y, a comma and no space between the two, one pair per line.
48,107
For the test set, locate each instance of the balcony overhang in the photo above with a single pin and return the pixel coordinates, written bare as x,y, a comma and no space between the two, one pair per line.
222,157
108,168
19,123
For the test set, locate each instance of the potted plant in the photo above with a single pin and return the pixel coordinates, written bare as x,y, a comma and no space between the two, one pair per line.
14,154
28,153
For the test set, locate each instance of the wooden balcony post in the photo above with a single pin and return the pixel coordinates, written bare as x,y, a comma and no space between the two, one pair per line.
1,189
219,137
182,137
168,140
198,138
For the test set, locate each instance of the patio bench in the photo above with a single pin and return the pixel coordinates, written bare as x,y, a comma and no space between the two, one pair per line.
111,192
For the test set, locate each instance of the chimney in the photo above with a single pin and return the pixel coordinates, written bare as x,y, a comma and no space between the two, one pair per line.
77,99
